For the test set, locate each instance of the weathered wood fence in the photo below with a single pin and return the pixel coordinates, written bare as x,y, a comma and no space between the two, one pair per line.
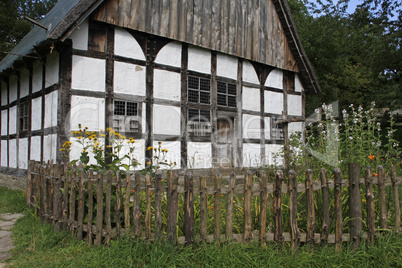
81,202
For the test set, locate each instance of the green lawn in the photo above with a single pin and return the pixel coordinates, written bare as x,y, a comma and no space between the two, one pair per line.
37,245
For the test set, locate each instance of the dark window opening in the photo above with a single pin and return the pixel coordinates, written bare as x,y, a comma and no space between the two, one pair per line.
227,93
290,82
127,116
276,129
24,116
199,90
199,122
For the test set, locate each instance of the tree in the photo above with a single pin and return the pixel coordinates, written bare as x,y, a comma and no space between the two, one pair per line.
357,57
13,26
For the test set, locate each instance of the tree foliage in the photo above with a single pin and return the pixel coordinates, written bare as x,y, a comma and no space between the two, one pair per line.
13,26
357,57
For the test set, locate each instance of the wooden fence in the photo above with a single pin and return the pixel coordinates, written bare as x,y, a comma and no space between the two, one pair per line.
85,203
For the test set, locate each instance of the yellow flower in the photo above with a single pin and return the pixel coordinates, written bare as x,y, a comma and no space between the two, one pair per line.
102,135
164,150
160,143
149,148
148,163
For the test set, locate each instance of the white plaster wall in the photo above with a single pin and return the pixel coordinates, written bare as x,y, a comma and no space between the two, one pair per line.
173,154
23,153
251,127
50,147
37,76
295,127
12,123
251,99
249,74
129,78
199,60
88,74
294,105
166,120
24,83
226,66
167,85
3,93
52,69
87,111
273,102
298,85
13,88
51,101
4,145
251,155
12,153
4,121
170,54
270,151
199,154
35,148
37,113
125,45
267,127
275,79
80,36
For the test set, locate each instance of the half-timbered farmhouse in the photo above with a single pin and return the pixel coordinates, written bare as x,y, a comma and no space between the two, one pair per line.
218,82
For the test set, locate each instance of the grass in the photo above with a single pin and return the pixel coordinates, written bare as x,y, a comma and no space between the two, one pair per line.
37,245
11,201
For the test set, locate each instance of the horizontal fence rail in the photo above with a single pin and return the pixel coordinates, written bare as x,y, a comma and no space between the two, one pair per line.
184,208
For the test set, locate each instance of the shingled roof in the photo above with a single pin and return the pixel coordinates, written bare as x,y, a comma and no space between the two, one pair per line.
63,19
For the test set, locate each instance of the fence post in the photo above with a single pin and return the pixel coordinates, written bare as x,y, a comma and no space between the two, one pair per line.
397,204
71,220
158,205
81,203
310,208
118,204
99,209
338,209
263,207
43,193
355,205
29,183
381,198
137,214
57,198
172,203
203,208
229,208
368,177
188,208
247,208
67,177
127,194
217,207
278,237
148,206
108,223
325,207
294,229
90,206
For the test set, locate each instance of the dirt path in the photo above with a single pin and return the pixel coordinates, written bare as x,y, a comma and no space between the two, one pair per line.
6,244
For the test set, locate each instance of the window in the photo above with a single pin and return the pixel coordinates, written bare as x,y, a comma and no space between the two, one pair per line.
199,122
226,94
199,90
24,116
276,129
290,81
127,116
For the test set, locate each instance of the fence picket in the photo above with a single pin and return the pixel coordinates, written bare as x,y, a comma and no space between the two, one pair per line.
355,206
99,209
310,208
397,204
127,194
158,205
217,207
71,220
381,198
229,208
370,205
118,205
90,207
137,214
65,206
338,209
247,208
203,208
81,204
294,229
325,207
172,203
278,236
148,206
263,207
188,208
108,222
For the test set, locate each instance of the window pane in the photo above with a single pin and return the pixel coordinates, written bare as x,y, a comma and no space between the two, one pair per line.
231,101
232,89
193,82
222,100
132,109
205,84
119,108
193,115
221,87
193,96
204,97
